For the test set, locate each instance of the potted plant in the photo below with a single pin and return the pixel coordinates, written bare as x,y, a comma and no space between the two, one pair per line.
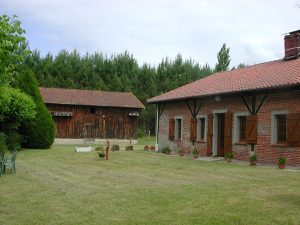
100,151
181,152
166,150
281,162
229,156
253,159
195,153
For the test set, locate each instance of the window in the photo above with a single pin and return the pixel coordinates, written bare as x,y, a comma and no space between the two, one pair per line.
178,128
281,128
239,127
242,128
92,110
201,130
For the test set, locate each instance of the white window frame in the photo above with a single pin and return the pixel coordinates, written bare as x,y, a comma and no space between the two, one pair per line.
236,126
274,135
176,128
199,126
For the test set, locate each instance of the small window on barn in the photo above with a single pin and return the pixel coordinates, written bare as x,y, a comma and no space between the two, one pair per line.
93,110
178,129
201,129
242,128
281,128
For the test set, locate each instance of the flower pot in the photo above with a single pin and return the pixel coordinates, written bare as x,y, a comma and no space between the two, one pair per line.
281,166
228,160
253,162
181,154
195,156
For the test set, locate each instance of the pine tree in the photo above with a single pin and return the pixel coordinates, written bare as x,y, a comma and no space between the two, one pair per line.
223,59
39,132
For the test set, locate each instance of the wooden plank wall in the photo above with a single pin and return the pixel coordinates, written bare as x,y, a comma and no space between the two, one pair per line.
105,123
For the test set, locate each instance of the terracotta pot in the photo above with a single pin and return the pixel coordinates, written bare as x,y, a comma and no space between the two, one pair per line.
229,160
253,162
281,166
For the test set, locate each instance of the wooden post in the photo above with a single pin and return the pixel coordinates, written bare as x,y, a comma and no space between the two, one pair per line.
107,151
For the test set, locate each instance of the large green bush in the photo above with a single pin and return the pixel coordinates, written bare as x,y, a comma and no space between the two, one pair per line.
3,146
39,132
15,108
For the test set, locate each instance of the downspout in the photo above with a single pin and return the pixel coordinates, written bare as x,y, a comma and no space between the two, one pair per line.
157,128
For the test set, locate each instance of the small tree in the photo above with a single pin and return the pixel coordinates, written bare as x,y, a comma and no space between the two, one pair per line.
13,48
38,132
223,59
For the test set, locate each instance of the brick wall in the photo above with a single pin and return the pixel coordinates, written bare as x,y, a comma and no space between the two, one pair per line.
266,152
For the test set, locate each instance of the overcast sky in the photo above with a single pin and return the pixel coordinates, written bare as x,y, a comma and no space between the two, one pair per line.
151,30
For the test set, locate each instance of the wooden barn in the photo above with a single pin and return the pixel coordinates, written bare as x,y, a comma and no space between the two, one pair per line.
93,115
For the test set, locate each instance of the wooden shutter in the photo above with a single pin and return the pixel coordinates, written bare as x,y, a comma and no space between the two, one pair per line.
171,129
251,129
228,132
193,131
209,134
293,129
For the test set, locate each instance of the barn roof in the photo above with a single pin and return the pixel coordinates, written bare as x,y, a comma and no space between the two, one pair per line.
269,75
90,98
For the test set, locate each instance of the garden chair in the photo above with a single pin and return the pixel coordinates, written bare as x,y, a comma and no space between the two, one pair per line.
11,162
1,164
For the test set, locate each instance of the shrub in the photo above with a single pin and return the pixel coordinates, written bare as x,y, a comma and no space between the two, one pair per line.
229,155
115,148
129,147
39,132
3,146
282,160
101,155
15,108
195,151
253,157
13,141
166,150
140,132
98,149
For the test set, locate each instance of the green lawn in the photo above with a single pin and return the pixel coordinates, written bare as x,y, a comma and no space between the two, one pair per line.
59,186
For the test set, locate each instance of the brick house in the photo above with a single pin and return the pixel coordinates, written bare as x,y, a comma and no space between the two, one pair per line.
246,110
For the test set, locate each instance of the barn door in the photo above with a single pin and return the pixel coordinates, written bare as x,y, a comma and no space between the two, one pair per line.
251,129
228,132
193,131
89,131
293,129
209,134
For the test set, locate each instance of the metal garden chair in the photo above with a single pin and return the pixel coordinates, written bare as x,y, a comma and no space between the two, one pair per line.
11,162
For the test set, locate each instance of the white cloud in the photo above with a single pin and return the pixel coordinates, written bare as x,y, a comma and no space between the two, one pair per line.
154,29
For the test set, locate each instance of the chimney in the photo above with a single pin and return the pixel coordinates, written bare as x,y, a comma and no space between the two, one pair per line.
292,45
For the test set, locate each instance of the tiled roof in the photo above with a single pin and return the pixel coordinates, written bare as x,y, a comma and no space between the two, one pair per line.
90,98
269,75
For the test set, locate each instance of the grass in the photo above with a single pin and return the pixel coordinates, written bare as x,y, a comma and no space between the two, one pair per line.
59,186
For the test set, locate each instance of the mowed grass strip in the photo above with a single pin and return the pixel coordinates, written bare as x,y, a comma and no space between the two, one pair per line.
59,186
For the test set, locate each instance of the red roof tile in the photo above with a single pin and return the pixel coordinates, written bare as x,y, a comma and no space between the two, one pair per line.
90,98
274,74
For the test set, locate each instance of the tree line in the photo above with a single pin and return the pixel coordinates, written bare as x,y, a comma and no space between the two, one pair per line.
120,72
